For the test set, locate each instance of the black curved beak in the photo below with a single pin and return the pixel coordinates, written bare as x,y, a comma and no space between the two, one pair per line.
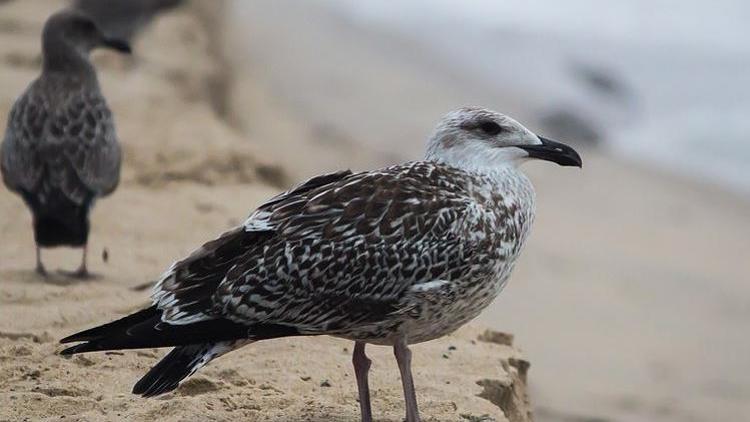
554,151
118,45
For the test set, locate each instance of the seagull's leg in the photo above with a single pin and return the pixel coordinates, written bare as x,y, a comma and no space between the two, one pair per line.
361,368
403,357
39,266
82,272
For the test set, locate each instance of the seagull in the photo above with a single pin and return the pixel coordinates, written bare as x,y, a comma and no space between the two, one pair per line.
60,152
396,256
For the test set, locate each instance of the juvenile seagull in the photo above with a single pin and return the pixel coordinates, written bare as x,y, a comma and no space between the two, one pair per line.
393,257
60,151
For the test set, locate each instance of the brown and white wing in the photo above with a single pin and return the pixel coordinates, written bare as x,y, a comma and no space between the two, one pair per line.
352,253
185,292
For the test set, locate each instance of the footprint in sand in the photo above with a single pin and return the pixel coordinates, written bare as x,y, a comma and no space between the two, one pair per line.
61,392
198,385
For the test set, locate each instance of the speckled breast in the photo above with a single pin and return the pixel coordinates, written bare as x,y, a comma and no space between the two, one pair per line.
493,241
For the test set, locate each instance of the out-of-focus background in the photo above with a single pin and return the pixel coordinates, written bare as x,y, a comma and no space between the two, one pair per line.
632,299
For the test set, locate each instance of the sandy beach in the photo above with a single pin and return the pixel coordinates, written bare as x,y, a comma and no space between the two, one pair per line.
631,300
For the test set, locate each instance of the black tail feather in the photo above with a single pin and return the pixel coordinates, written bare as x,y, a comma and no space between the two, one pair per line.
58,220
173,368
114,326
145,329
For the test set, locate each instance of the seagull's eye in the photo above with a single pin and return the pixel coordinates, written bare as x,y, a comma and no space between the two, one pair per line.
490,128
87,26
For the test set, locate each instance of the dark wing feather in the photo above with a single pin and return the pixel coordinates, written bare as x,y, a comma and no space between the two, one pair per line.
347,254
21,160
340,252
186,290
144,329
90,142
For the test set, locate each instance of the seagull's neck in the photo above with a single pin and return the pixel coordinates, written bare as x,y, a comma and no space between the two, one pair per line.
496,168
507,179
503,177
60,56
476,158
490,164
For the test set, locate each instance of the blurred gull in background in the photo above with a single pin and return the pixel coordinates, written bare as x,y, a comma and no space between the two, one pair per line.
124,18
60,151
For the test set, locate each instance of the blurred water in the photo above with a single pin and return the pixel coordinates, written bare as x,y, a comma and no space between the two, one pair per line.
681,69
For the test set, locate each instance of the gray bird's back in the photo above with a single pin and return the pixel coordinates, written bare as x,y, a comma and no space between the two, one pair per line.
61,135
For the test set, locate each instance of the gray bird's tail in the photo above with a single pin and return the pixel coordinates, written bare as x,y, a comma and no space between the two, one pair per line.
59,221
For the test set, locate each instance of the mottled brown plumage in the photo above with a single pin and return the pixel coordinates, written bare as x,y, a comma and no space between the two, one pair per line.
60,151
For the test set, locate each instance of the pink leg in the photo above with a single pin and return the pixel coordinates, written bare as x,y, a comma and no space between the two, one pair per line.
361,368
403,357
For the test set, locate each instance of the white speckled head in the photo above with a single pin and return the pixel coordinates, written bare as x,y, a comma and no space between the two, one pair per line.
478,139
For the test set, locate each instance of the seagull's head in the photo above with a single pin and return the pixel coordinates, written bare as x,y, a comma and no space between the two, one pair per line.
77,30
481,139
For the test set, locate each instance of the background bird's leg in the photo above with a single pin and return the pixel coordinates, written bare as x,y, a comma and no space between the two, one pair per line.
82,271
361,368
39,266
403,357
